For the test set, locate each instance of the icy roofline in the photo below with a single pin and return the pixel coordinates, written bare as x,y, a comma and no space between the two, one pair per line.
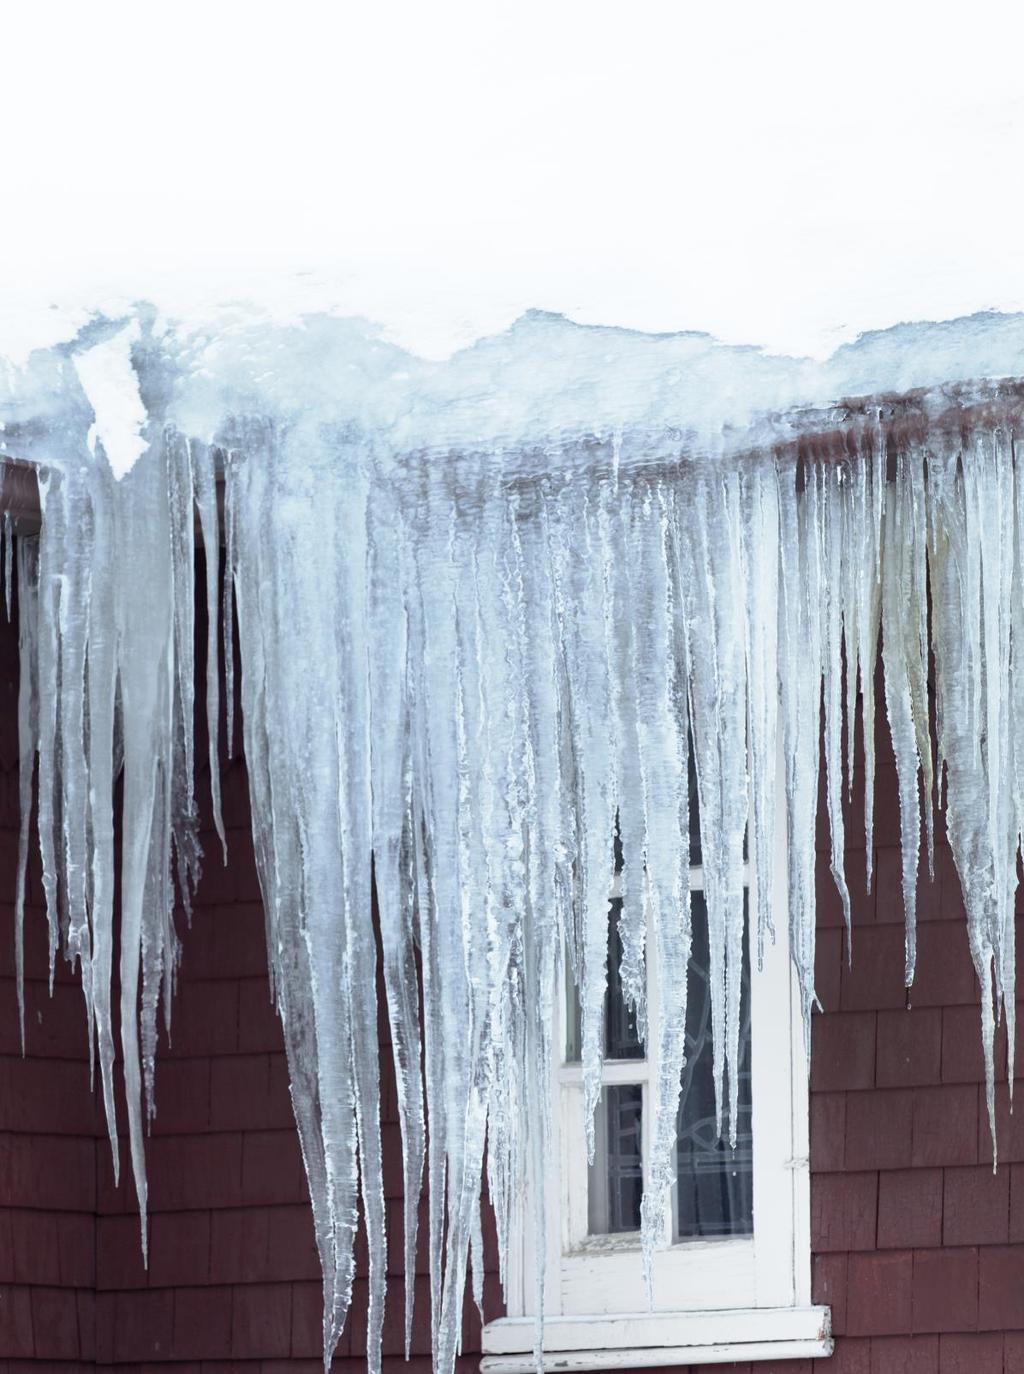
543,385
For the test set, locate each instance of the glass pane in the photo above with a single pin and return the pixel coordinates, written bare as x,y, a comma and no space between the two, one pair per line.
615,1180
621,1040
715,1192
695,850
691,778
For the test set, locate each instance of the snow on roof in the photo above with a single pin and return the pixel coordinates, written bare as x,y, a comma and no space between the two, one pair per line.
543,381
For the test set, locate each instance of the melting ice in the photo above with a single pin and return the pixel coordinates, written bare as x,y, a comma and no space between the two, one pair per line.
486,609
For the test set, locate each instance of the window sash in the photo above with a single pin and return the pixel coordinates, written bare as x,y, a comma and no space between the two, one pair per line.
573,1195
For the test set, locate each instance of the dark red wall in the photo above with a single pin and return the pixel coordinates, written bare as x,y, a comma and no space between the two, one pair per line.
918,1249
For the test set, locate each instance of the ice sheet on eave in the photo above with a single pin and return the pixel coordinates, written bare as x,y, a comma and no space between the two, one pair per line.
545,382
548,381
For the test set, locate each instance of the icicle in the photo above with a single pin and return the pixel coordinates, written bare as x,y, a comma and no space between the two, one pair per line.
204,478
181,491
28,730
988,471
716,629
760,552
905,676
629,667
102,747
52,544
583,574
800,710
278,848
848,576
145,621
8,543
970,553
867,504
1017,729
550,843
459,886
228,610
831,542
661,660
393,822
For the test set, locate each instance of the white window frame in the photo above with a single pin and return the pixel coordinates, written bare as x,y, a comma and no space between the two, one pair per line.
715,1301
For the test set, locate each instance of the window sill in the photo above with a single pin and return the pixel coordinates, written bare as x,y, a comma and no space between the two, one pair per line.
651,1339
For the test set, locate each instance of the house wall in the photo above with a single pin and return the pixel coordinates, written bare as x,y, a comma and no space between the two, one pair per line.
918,1248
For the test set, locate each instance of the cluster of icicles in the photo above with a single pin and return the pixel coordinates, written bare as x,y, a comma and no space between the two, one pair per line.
460,680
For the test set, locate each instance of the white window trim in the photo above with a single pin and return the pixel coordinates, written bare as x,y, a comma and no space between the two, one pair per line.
717,1301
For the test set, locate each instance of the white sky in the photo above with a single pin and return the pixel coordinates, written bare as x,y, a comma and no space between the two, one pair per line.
783,174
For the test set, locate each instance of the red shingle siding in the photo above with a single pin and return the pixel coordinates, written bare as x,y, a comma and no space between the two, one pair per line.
920,1282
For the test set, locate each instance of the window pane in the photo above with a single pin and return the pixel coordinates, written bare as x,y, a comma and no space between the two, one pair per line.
691,779
615,1180
715,1183
621,1040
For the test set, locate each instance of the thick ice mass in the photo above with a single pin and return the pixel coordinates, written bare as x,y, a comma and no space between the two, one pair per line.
489,613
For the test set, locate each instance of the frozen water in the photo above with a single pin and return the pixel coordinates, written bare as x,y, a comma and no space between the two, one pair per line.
486,609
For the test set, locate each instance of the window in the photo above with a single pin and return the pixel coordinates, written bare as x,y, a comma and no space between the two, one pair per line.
732,1272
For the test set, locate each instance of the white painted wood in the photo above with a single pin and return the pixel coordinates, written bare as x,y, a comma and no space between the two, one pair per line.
780,1104
635,1358
707,1294
660,1339
702,1274
721,1327
658,1357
